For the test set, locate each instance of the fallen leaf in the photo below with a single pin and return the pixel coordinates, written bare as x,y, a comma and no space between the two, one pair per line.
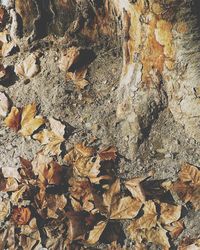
125,208
28,68
27,169
81,194
189,244
175,229
9,48
52,139
108,154
55,203
78,77
3,73
136,189
24,120
13,119
2,14
190,173
29,121
68,58
4,209
4,105
111,193
169,213
18,195
21,215
96,233
158,236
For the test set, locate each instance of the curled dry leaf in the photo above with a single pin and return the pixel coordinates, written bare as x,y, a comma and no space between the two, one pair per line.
125,208
175,229
78,77
136,189
21,215
4,209
108,197
68,58
96,233
189,244
52,139
108,154
80,158
9,48
28,68
24,120
4,104
158,236
81,194
190,173
169,213
55,203
188,185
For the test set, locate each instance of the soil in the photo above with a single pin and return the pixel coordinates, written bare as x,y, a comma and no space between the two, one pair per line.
90,115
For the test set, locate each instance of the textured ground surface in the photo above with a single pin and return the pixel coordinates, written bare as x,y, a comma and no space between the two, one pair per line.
90,113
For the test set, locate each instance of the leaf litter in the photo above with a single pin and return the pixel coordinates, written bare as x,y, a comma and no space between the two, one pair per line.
82,196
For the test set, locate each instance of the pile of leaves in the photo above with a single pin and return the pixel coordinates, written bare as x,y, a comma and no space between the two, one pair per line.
81,201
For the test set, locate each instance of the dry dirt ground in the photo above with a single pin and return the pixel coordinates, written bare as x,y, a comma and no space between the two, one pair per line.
91,113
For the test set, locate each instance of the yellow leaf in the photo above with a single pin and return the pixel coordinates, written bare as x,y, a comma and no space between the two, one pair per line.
190,173
125,208
175,229
13,119
135,187
4,209
96,233
158,236
169,213
30,123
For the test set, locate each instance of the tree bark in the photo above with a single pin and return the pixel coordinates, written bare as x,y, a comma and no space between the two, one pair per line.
161,52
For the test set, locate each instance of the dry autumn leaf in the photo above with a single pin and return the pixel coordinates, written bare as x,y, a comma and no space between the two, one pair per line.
175,229
189,244
96,233
21,215
108,154
169,213
3,73
188,185
111,193
4,104
158,236
9,48
68,58
28,68
78,77
136,189
24,121
125,208
4,209
80,158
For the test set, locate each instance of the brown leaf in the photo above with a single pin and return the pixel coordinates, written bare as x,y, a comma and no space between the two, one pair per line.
96,233
21,215
9,48
55,203
111,193
108,154
27,169
68,58
175,229
190,173
4,209
136,189
24,121
3,72
158,236
28,68
189,244
4,105
2,14
125,208
169,213
52,139
81,194
29,121
78,77
13,119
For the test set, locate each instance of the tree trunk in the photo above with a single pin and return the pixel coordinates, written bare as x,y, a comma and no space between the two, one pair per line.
160,41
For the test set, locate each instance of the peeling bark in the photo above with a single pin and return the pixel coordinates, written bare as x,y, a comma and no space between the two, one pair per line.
160,41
